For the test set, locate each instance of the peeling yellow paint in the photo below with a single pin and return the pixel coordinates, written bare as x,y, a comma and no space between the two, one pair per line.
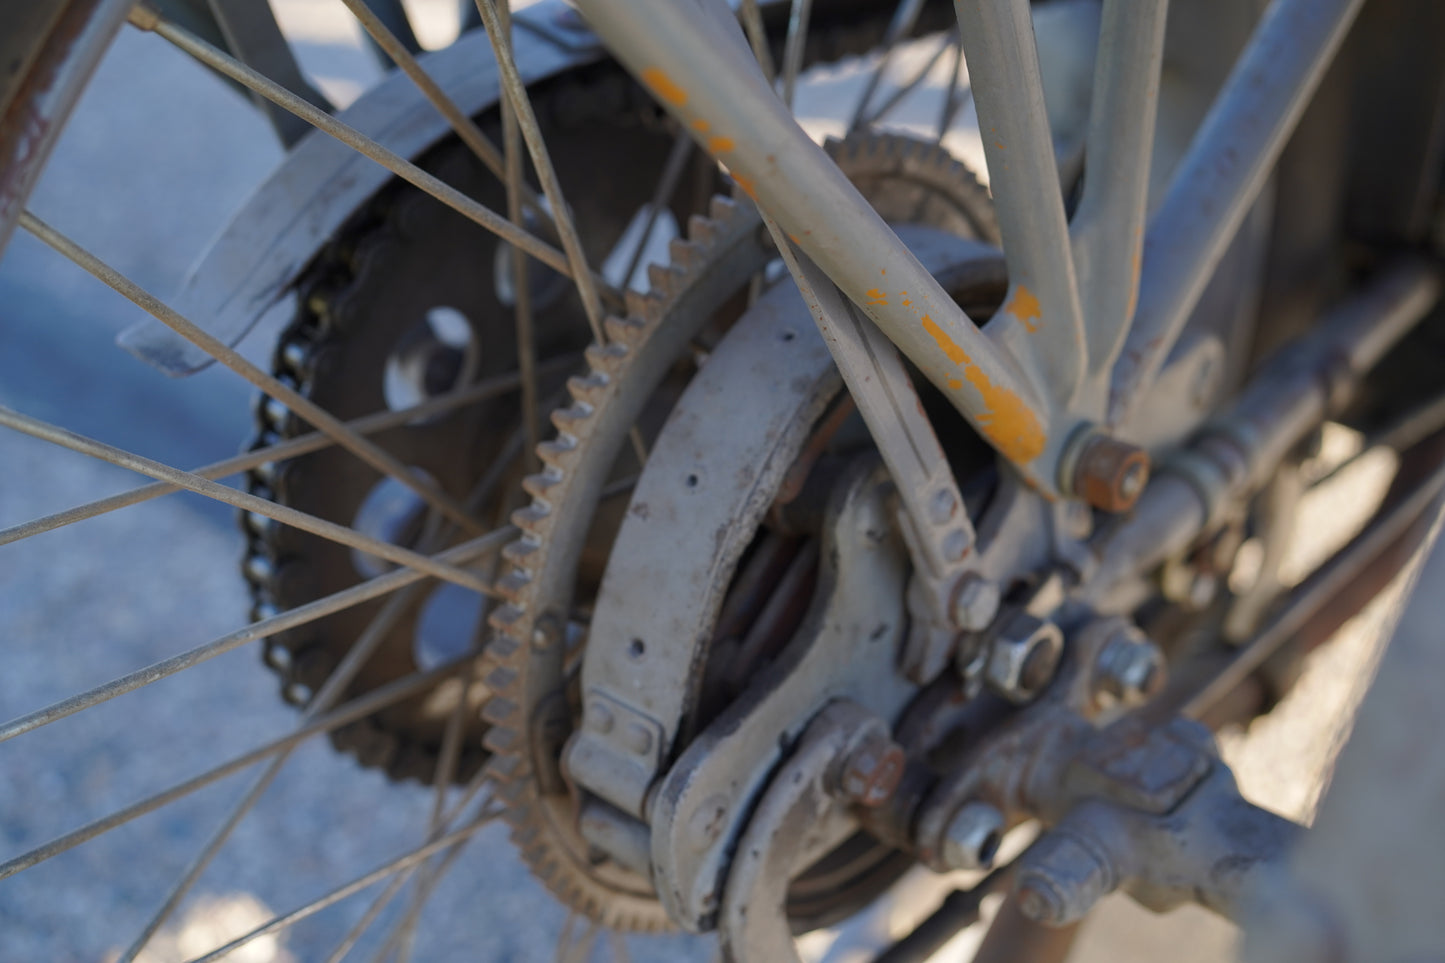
1024,305
875,296
701,126
664,87
1006,420
720,145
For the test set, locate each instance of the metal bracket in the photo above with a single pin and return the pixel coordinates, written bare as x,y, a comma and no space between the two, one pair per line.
798,819
847,649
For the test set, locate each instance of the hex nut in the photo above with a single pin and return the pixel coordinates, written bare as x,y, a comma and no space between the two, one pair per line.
1023,657
972,837
872,771
974,603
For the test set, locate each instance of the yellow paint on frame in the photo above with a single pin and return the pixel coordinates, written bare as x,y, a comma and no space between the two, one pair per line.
663,86
1006,420
1023,304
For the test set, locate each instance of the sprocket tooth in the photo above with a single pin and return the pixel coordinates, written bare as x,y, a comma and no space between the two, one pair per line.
721,208
702,230
607,358
541,484
665,279
530,519
498,711
502,678
511,585
636,301
590,387
522,551
570,419
505,768
501,740
559,453
625,330
507,618
503,648
685,253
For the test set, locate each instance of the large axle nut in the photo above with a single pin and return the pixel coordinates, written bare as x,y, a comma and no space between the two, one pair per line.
1023,657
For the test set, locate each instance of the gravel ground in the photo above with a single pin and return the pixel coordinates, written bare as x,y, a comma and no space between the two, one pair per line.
158,154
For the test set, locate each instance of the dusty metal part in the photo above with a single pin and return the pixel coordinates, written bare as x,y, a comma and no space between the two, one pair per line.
1130,668
872,771
935,521
796,818
1022,657
721,253
974,603
1212,847
847,649
1109,474
972,837
1285,400
363,331
780,377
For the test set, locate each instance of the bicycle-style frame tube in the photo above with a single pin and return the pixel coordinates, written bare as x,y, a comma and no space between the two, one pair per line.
1041,370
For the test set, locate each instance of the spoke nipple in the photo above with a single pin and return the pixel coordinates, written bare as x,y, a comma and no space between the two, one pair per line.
1110,474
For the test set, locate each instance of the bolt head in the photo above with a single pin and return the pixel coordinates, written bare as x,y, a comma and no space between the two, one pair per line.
972,836
975,602
1130,668
872,771
1023,657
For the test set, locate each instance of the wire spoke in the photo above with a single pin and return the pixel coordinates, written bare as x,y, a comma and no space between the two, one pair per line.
228,66
677,160
291,618
521,285
516,93
393,887
952,102
335,896
290,448
580,950
798,17
228,356
905,17
950,40
752,19
465,128
358,708
331,690
349,537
